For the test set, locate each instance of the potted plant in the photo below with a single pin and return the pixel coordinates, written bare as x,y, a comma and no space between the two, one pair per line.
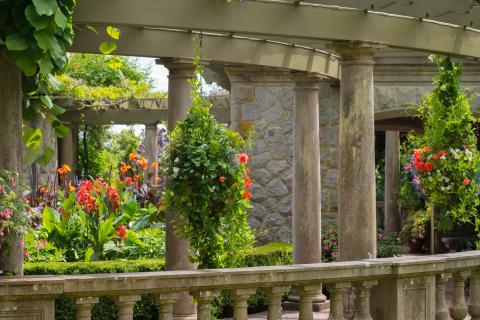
414,230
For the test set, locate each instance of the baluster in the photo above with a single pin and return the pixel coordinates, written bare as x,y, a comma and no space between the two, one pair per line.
441,309
84,307
362,303
474,299
275,295
165,304
204,302
459,309
240,297
125,306
306,294
336,300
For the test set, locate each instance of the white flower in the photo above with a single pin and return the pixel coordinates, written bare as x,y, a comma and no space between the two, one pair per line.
176,159
442,188
430,179
443,158
175,169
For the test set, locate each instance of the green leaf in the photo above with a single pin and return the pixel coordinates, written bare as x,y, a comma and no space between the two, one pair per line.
92,29
45,64
132,237
57,110
32,137
60,19
105,231
46,156
16,42
31,155
49,219
89,254
45,39
60,129
45,7
37,21
113,32
53,82
47,101
107,47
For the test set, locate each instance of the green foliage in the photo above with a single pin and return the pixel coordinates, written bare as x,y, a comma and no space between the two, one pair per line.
104,71
388,245
445,162
14,219
207,185
34,35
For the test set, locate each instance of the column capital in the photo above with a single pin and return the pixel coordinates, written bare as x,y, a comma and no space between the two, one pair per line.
177,67
308,80
356,52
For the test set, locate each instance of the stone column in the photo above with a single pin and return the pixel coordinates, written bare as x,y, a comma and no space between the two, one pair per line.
151,151
177,249
356,207
306,209
11,150
68,151
392,181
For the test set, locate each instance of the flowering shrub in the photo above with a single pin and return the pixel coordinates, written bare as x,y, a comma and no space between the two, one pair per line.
443,166
208,186
15,213
329,242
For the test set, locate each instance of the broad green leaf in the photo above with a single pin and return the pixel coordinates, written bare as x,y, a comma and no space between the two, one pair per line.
31,155
37,21
113,32
47,101
45,39
132,237
89,254
16,42
45,64
1,41
60,129
45,7
107,47
60,19
50,219
32,137
105,231
46,156
57,110
53,82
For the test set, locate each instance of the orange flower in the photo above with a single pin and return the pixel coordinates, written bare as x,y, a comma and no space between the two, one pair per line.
42,190
248,182
133,156
466,181
221,179
142,163
124,167
155,165
64,169
71,187
246,195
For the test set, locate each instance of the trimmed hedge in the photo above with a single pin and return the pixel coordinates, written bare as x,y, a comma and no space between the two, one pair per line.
275,253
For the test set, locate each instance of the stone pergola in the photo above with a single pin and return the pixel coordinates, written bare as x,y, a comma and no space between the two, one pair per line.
299,69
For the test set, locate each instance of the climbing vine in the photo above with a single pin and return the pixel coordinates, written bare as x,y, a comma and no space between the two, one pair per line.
34,35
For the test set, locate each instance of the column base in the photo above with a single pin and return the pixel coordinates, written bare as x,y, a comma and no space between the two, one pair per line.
185,316
320,303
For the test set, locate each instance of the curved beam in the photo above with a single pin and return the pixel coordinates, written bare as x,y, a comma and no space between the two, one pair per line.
235,50
283,19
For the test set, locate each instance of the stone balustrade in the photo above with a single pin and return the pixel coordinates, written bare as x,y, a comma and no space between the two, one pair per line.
393,288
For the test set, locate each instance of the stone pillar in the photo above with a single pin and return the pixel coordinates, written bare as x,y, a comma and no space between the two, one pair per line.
68,151
262,102
151,151
306,214
11,150
356,207
179,102
392,181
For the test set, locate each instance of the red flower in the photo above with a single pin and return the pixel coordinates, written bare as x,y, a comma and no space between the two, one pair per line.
243,158
246,195
435,157
221,179
441,153
428,166
420,166
466,181
121,232
426,149
248,182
